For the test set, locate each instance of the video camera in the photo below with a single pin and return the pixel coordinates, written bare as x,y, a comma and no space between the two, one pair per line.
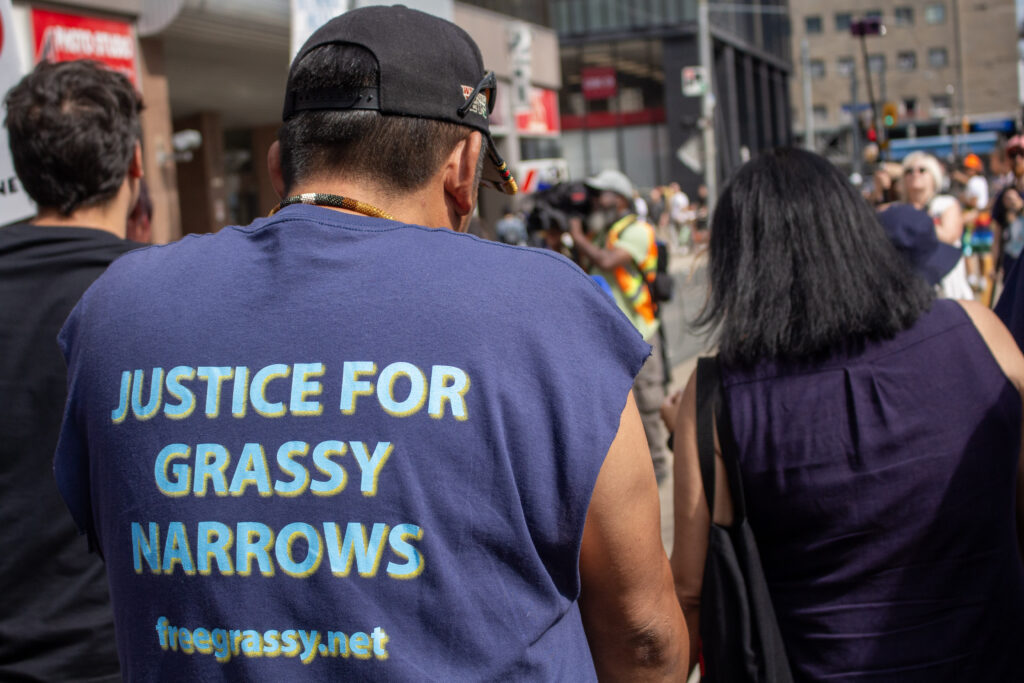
553,207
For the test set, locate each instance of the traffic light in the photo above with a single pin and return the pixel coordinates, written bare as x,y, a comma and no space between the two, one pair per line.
890,114
872,134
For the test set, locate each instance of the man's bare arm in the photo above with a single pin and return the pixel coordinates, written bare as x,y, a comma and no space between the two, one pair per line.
633,621
605,259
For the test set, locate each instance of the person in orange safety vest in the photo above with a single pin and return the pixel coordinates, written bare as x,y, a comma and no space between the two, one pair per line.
625,254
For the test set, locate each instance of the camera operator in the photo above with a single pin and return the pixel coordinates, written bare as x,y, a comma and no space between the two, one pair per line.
625,254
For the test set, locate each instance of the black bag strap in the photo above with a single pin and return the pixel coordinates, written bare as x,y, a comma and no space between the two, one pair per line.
707,400
712,415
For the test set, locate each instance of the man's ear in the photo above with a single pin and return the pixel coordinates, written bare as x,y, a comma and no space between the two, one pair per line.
460,180
274,166
135,168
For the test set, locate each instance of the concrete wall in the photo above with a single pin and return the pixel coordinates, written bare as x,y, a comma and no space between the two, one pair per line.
489,30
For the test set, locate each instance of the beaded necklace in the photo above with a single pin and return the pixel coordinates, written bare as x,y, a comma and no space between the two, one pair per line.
333,200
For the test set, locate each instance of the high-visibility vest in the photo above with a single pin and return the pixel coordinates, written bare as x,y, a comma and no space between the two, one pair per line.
629,280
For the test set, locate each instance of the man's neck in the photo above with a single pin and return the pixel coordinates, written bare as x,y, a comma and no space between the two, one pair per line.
110,217
78,220
419,207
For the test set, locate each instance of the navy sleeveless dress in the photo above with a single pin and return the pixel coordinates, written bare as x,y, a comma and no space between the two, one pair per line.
881,487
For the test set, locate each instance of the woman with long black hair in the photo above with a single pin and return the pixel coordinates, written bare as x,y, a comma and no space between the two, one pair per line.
878,433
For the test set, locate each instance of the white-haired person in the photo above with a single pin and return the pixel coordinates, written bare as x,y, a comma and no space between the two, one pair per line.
923,179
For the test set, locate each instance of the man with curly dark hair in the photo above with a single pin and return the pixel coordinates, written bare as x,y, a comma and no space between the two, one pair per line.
74,136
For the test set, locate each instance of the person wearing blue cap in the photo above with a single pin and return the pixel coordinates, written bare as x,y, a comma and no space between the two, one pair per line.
912,232
347,442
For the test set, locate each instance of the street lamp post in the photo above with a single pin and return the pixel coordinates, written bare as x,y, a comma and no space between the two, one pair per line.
871,26
707,108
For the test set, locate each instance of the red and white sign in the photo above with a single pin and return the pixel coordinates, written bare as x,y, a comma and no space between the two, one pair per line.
542,116
599,82
63,37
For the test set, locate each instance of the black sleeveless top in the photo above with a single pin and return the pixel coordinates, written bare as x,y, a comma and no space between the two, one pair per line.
881,489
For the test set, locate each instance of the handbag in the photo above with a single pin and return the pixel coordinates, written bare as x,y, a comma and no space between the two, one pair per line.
663,285
740,637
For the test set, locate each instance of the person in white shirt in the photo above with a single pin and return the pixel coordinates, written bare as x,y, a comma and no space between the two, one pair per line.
681,216
975,194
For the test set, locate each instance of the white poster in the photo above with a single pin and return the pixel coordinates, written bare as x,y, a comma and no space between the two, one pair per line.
309,15
14,203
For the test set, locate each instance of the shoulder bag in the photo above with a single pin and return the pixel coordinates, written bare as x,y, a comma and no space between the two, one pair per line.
740,637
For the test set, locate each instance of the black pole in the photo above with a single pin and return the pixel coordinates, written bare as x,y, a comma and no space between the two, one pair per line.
871,93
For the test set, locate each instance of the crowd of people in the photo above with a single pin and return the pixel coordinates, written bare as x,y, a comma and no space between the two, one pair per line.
350,441
680,222
976,207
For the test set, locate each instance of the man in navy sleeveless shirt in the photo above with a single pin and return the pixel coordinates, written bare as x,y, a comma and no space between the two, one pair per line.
347,441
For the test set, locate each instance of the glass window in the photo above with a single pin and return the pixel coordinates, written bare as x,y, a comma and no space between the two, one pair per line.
904,16
906,61
938,57
873,14
640,79
663,154
575,10
573,142
876,63
820,113
640,162
673,12
843,21
560,15
941,104
570,97
539,148
935,14
812,24
845,66
909,107
817,68
603,149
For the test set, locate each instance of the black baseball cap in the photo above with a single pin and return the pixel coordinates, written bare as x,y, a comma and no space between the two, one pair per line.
912,232
429,68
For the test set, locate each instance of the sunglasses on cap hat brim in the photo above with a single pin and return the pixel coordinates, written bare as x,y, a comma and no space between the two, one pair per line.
488,87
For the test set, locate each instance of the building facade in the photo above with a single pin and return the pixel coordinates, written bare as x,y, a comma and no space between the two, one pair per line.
218,68
630,99
942,66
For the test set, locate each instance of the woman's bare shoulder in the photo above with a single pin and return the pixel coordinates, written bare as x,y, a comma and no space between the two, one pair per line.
999,340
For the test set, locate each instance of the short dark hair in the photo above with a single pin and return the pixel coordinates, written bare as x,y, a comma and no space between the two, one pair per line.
395,153
800,266
72,128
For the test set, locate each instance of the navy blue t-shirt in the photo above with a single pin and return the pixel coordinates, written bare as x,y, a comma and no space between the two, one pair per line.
327,446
